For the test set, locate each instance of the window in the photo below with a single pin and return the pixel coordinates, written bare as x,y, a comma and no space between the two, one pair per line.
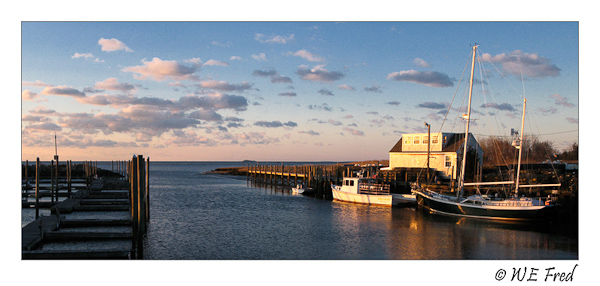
448,163
416,140
434,139
351,183
407,140
425,140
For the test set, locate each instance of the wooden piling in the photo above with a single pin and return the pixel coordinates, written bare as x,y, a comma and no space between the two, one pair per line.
26,175
132,192
69,178
141,203
52,181
37,188
56,177
147,190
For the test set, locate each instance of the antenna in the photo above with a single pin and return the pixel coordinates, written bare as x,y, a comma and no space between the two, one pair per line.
55,146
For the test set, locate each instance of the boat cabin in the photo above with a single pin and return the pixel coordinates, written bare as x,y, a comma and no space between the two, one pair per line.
358,185
445,149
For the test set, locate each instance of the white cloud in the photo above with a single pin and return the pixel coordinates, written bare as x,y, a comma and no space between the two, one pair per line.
35,83
433,79
276,39
111,45
28,95
260,57
318,74
308,56
215,63
518,62
346,87
113,84
421,63
160,70
85,55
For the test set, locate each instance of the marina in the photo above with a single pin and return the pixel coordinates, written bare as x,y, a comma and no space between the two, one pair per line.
301,152
112,208
200,215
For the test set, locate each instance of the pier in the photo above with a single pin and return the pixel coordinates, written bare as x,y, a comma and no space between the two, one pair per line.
103,215
320,177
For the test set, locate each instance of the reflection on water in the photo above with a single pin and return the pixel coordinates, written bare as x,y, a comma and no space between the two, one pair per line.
202,216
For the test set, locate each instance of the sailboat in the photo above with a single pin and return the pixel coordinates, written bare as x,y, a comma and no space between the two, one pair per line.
483,206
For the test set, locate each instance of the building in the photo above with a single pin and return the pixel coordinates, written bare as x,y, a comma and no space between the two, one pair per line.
445,149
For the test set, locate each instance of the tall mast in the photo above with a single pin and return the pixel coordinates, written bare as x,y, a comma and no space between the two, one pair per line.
461,181
520,148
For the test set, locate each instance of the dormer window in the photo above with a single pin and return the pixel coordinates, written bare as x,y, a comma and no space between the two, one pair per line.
407,140
434,139
425,140
417,140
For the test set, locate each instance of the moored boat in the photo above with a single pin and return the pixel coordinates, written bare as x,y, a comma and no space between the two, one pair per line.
481,206
370,191
301,189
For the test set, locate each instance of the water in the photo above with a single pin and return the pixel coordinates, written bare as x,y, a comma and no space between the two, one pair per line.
198,216
205,216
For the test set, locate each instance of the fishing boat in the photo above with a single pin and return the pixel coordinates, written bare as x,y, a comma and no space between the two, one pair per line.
365,190
483,206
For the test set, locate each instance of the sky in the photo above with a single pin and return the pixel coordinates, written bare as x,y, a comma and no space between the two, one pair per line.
286,91
331,89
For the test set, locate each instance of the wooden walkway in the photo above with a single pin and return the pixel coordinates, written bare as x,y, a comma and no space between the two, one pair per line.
106,210
48,229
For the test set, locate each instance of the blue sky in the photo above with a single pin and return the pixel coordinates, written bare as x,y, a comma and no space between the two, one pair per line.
365,53
283,90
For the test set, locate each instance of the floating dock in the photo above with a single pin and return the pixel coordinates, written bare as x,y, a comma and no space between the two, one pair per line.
106,219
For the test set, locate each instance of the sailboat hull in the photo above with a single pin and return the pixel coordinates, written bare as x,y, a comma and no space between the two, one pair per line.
517,213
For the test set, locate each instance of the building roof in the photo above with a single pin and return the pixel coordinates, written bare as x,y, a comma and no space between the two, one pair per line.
397,147
454,143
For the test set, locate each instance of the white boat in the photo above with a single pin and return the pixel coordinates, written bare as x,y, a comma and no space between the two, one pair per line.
482,206
368,191
301,189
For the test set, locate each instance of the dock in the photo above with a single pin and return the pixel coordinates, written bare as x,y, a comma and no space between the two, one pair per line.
105,218
320,177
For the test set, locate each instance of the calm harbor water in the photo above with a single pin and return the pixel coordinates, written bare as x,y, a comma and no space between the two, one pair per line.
199,216
206,216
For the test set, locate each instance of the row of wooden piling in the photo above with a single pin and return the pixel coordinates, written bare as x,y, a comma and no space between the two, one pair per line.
317,177
90,170
320,177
